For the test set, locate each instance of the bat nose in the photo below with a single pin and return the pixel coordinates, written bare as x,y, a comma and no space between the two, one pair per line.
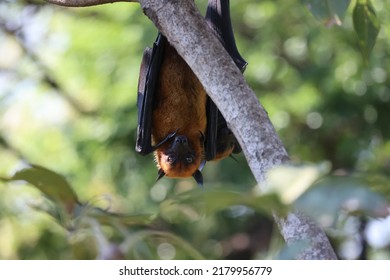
181,139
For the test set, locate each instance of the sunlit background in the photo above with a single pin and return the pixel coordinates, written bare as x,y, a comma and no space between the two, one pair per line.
68,84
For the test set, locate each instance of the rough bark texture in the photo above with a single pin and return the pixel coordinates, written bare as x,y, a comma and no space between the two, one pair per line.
296,227
184,27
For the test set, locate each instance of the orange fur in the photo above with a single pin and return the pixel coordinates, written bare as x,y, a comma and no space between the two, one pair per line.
224,154
180,106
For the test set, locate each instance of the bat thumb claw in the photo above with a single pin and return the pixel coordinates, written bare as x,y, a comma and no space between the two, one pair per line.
171,135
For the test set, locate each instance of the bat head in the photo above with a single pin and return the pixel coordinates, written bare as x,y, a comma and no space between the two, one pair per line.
181,158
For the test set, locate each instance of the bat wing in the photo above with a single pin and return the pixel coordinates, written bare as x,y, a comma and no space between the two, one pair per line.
219,138
147,83
210,145
218,18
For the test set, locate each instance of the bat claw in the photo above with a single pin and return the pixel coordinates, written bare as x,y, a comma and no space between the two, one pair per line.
166,139
171,135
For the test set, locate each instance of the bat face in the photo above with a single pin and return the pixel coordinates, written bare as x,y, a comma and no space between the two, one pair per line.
179,158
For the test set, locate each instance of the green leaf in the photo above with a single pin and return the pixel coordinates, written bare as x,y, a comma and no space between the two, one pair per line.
329,12
326,199
218,200
105,217
53,185
366,26
190,204
179,242
83,245
290,181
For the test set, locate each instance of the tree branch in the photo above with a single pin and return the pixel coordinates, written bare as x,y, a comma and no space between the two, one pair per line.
85,3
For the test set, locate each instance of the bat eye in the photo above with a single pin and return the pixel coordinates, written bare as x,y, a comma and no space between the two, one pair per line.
189,160
171,159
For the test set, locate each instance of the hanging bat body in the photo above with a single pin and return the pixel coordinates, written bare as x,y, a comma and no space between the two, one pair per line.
176,119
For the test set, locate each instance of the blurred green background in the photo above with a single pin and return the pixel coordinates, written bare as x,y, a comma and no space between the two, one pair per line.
68,84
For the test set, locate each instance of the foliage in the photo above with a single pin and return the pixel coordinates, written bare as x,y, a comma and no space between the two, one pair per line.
365,22
68,82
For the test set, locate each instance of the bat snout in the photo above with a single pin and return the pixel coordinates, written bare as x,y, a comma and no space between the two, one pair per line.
181,140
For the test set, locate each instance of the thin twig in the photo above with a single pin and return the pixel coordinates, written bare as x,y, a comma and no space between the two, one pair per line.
6,145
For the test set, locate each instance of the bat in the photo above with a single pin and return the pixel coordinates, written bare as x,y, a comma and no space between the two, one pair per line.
176,118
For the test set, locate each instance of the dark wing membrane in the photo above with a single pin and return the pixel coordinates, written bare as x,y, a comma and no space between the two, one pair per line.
210,145
219,138
226,138
147,83
218,18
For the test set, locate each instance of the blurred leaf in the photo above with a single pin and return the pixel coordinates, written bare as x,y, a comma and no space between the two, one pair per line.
326,199
217,200
83,245
111,252
366,25
329,12
266,203
180,243
51,184
290,181
105,217
190,204
379,183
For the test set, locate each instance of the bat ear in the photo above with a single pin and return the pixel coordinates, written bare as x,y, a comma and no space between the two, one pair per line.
198,177
161,174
